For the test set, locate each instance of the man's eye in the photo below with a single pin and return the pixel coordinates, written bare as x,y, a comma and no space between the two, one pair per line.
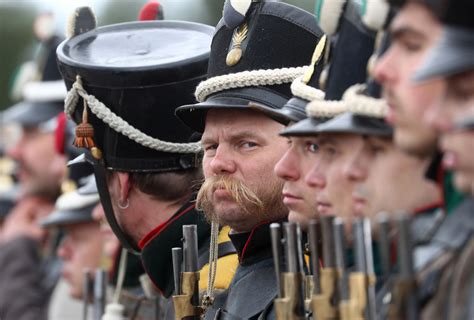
312,147
210,147
248,144
411,45
377,149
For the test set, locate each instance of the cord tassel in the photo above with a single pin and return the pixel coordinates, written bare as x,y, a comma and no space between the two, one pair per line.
84,132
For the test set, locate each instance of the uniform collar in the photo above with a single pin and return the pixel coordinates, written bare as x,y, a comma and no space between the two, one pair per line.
156,246
253,246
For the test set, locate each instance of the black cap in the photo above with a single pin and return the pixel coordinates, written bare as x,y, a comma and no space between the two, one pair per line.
304,89
351,48
269,36
73,207
354,123
42,99
140,71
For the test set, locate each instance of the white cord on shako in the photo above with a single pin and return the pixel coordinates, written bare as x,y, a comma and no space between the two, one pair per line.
358,103
120,125
243,79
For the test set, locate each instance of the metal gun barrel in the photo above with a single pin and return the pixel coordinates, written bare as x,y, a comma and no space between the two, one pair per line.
177,257
190,246
384,243
100,281
341,264
328,241
407,269
275,233
313,241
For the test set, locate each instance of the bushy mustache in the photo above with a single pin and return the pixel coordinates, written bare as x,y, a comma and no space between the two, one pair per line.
240,193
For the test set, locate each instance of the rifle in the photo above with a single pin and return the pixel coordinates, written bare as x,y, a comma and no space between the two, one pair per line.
324,304
312,283
362,281
291,303
341,267
100,281
405,304
86,292
186,303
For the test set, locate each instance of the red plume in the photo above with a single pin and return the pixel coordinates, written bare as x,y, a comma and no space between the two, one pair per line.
151,11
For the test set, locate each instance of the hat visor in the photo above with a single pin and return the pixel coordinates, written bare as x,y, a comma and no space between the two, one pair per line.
292,111
305,127
68,217
452,54
255,98
356,124
29,114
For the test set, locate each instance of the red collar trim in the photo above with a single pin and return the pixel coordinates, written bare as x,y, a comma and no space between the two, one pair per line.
153,233
249,239
431,206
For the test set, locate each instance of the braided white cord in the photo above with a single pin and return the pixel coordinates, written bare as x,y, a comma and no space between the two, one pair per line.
325,108
213,255
120,125
303,91
359,103
247,79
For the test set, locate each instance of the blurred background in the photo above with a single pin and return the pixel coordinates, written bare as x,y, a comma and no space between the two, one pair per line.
18,43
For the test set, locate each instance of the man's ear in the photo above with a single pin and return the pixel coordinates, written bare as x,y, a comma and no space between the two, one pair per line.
124,185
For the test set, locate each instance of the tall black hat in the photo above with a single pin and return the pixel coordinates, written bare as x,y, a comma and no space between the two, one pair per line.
130,78
43,98
363,101
251,61
133,75
351,47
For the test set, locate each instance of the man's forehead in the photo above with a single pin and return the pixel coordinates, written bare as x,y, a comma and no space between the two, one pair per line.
241,120
415,18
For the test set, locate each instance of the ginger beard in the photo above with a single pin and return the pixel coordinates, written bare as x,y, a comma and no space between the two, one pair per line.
230,202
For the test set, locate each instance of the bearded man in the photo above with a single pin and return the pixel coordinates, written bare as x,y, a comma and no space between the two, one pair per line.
249,70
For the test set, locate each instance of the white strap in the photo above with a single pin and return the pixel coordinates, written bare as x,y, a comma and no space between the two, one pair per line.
120,125
243,79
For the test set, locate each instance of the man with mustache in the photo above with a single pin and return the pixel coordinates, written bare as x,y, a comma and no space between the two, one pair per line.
251,67
145,160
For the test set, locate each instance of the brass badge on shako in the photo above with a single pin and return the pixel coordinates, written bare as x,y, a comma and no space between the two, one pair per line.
235,53
318,52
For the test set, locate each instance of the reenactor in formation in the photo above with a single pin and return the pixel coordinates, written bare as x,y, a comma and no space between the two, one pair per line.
282,165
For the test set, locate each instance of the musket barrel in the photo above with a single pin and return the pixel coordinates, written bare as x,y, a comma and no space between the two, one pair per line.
177,257
190,246
86,292
313,242
384,244
275,233
407,270
190,249
341,264
328,242
291,243
369,269
100,281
